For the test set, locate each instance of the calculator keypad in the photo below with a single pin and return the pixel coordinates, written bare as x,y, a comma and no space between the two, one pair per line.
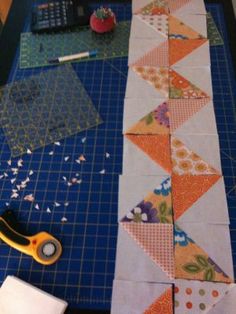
54,14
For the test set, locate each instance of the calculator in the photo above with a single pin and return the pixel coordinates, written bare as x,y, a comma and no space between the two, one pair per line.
59,15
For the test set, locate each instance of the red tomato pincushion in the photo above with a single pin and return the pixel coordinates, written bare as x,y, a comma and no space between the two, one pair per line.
103,20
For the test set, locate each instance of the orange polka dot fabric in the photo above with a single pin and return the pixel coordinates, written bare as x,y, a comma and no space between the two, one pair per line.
198,296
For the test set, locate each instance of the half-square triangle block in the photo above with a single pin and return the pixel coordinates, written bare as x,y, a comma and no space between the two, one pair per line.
158,77
157,241
187,189
157,147
181,88
181,110
178,49
193,263
155,122
159,23
181,31
157,57
156,207
187,162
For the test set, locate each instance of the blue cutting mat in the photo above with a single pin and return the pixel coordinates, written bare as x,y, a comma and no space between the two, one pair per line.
84,274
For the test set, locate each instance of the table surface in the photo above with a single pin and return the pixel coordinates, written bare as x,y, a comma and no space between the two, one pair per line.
84,274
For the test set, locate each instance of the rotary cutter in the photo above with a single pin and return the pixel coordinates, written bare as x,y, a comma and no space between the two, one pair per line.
43,247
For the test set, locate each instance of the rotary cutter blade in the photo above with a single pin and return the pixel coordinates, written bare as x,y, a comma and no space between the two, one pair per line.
43,247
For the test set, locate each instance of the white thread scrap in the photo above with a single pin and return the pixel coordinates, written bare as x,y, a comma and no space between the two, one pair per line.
29,198
14,171
14,195
20,163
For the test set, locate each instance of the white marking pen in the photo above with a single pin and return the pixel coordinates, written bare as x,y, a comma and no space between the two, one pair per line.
74,57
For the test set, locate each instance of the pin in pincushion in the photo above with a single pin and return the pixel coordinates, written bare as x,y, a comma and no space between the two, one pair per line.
102,20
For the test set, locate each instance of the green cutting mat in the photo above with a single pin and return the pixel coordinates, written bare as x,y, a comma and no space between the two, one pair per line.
36,50
213,33
45,108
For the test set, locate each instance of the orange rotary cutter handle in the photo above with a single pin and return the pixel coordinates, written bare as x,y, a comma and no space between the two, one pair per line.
43,247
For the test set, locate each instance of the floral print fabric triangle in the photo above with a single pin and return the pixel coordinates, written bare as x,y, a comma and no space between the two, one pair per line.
155,208
163,305
179,87
156,122
192,262
185,161
157,77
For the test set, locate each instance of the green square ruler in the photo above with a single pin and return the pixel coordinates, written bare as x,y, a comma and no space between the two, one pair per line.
45,108
213,33
37,49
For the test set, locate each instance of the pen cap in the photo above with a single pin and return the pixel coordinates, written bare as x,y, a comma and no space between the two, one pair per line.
93,53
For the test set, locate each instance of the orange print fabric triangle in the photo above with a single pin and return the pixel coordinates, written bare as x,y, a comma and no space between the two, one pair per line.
157,57
192,262
156,122
178,49
179,30
163,305
181,88
187,189
157,147
181,110
157,241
